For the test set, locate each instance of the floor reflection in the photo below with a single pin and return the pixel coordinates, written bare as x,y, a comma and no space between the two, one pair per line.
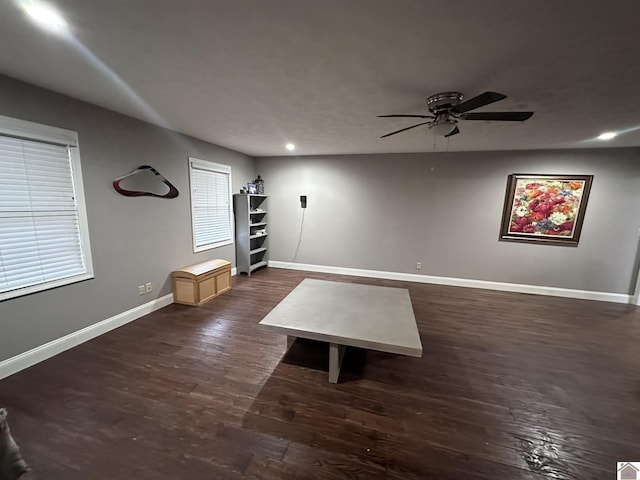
545,456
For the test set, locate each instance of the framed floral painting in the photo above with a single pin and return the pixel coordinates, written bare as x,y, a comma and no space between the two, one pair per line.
545,208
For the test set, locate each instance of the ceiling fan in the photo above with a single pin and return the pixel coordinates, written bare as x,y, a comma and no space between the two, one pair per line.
447,110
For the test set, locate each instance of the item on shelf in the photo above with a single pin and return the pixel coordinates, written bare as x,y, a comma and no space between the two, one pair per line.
259,185
262,231
252,188
243,191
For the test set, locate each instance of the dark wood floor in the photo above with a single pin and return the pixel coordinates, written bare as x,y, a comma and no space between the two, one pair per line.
510,386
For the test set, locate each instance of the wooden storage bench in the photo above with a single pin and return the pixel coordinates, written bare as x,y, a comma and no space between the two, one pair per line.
195,284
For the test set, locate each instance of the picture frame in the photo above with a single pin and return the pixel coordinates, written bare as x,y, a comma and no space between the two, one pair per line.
252,188
546,209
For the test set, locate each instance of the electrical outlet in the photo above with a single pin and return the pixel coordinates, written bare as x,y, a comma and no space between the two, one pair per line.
419,266
148,287
141,290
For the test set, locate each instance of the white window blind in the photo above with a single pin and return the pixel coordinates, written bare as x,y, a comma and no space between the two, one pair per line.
43,238
211,212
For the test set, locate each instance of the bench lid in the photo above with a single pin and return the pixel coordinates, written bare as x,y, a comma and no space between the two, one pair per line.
201,268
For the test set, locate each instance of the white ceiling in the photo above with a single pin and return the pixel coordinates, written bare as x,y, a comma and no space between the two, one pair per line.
252,75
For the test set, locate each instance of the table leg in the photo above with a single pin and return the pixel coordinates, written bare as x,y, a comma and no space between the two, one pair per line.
336,353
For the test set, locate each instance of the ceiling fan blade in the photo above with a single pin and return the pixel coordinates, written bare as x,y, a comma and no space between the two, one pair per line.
453,132
478,101
403,129
408,116
502,116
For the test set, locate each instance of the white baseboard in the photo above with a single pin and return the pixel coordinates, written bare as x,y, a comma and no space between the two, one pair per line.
460,282
36,355
234,271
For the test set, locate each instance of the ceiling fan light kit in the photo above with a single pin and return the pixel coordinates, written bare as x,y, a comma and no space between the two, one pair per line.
442,129
447,109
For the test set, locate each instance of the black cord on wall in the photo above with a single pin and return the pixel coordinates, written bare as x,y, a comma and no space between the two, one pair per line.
295,255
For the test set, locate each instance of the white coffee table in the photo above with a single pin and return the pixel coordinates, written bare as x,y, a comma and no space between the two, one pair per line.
347,314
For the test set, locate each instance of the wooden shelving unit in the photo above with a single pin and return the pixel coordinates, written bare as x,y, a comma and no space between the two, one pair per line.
252,249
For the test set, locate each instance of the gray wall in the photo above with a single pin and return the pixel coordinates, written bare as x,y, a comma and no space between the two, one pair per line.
380,212
134,240
387,212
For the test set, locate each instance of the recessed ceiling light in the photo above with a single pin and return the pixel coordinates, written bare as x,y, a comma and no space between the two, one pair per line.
290,146
44,15
607,136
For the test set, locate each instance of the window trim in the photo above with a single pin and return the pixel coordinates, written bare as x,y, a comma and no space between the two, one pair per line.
218,168
14,127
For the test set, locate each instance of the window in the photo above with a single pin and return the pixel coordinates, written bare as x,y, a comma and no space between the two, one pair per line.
44,238
211,214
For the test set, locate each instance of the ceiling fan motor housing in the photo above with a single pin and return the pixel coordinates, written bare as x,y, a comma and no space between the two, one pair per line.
443,101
